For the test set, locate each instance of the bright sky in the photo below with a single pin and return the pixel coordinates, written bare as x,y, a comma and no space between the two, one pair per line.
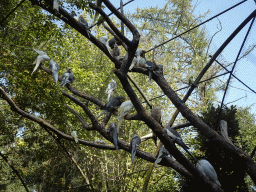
245,68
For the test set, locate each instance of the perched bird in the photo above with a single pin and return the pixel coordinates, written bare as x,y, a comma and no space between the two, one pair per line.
151,67
110,95
40,59
73,134
112,129
123,110
178,139
208,171
135,142
112,105
96,141
116,51
112,43
85,25
56,4
161,154
104,40
156,113
159,70
67,77
102,142
142,61
54,67
110,89
136,59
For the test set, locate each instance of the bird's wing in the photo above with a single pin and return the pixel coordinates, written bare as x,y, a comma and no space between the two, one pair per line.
55,75
64,80
71,77
159,156
37,62
110,96
115,137
39,52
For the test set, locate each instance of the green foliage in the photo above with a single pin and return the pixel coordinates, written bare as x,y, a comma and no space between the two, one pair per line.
223,163
41,162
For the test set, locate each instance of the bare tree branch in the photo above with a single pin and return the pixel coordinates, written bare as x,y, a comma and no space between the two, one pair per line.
15,171
85,125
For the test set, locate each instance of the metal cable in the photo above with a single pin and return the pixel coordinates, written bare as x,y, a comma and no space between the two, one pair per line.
196,26
11,12
231,72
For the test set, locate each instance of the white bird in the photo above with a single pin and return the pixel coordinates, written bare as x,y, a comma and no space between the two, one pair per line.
73,134
123,110
54,67
104,40
40,58
110,89
208,171
136,59
102,142
96,141
56,4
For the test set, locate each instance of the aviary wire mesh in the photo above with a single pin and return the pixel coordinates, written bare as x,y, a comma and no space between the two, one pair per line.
241,90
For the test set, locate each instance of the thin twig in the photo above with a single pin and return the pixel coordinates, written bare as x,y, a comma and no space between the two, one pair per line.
15,171
140,91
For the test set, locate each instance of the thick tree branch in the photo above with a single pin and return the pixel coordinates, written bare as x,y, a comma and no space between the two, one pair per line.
116,37
105,134
130,26
69,19
162,135
132,45
46,125
110,23
224,131
84,107
75,91
206,130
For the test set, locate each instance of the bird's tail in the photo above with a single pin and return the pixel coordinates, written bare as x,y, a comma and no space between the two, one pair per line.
63,83
190,154
55,76
115,138
119,123
133,154
87,30
150,75
158,159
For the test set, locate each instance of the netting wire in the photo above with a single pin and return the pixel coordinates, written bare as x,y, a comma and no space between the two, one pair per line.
231,72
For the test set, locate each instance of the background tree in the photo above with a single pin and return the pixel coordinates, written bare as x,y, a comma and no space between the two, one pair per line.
37,155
